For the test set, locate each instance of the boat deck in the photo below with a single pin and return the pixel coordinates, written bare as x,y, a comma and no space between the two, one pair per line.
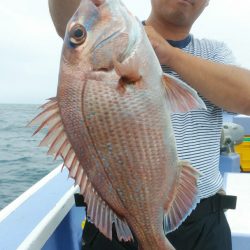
45,216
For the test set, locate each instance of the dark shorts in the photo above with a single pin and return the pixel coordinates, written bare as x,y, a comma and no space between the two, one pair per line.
205,229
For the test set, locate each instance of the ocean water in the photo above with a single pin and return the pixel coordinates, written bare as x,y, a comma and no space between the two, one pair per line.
22,162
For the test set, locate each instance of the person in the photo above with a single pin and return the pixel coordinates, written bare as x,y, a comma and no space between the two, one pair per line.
208,67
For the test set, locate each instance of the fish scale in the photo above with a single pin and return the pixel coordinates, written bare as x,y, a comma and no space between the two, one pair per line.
121,119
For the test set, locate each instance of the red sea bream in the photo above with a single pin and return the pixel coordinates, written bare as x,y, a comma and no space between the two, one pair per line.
110,122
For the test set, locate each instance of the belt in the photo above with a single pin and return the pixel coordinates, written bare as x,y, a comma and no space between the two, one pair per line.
213,204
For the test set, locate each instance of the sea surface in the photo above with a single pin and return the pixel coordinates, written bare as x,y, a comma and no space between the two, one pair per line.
22,162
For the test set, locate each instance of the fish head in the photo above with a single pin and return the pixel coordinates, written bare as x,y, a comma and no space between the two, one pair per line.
98,33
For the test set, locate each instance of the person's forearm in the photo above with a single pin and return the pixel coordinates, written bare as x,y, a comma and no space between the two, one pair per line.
61,11
224,85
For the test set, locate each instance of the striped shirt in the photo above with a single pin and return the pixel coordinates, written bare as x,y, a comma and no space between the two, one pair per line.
198,132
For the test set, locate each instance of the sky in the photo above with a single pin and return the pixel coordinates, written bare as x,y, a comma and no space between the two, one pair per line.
30,48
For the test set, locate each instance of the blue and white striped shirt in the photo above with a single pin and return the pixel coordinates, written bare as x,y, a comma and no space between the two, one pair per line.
198,132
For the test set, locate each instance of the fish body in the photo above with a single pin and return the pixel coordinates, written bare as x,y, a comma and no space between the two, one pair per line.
110,122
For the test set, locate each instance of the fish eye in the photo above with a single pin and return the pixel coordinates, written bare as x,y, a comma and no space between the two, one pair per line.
77,34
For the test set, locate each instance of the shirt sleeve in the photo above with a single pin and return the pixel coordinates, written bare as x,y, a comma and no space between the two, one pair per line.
224,55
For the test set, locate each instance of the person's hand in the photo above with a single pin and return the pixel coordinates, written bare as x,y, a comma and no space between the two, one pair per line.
162,48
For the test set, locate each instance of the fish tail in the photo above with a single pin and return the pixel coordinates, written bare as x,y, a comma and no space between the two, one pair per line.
185,199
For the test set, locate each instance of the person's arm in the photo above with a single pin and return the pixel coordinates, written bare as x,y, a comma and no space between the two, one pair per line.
61,11
225,85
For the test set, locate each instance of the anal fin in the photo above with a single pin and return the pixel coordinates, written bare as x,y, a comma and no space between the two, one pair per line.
185,198
100,214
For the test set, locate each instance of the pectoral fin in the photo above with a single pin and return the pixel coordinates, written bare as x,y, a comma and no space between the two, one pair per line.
129,74
98,2
180,96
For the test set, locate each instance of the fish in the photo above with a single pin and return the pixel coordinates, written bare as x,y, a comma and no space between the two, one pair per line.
111,123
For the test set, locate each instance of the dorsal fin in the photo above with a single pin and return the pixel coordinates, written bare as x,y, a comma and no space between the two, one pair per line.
56,139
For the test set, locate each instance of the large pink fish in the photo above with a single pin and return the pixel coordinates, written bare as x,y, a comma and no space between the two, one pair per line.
110,122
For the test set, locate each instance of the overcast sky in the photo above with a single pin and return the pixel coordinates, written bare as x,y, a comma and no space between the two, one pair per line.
30,48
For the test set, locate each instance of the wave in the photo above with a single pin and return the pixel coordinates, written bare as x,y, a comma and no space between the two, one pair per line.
20,159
